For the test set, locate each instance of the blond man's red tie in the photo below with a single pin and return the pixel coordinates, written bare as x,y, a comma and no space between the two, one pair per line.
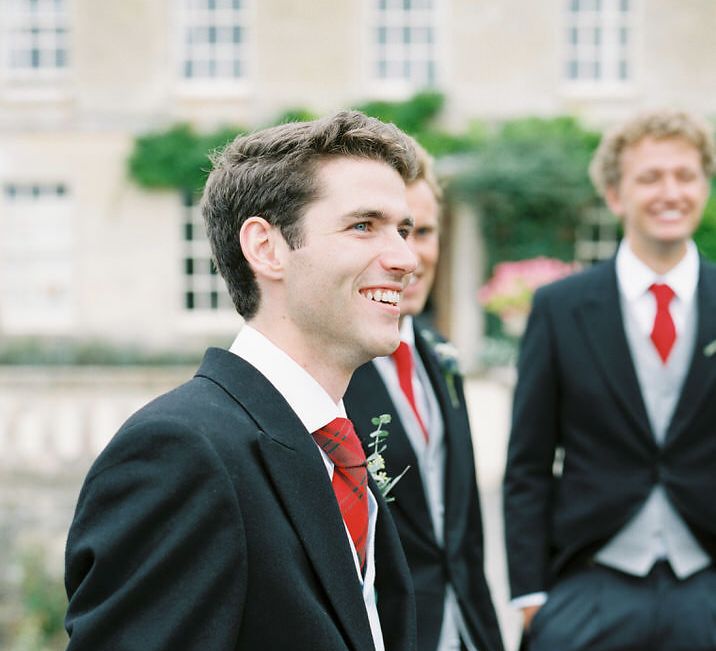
339,441
403,358
663,333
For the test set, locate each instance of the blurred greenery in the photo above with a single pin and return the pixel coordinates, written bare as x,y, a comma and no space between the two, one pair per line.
417,116
530,185
705,236
177,158
37,623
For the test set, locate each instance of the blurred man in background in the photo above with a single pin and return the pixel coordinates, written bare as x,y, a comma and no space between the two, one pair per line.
436,504
609,516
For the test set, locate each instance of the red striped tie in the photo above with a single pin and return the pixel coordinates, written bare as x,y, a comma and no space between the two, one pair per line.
663,333
339,441
403,358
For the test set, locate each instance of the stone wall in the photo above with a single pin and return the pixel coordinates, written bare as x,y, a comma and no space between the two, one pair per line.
53,423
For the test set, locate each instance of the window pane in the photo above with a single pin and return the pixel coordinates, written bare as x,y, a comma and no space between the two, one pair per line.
204,288
209,27
403,33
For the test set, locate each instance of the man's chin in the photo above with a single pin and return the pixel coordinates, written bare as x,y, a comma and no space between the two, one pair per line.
387,346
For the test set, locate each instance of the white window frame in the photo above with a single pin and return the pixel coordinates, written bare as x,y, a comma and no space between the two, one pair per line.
42,32
193,14
597,236
395,19
200,279
599,35
37,258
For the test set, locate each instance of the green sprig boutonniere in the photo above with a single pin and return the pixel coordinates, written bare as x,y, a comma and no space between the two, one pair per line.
446,355
710,349
375,460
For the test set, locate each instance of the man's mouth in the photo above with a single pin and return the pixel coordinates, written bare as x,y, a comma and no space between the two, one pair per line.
388,296
669,215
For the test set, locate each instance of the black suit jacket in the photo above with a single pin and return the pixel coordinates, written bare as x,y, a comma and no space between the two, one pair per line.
578,391
209,522
461,561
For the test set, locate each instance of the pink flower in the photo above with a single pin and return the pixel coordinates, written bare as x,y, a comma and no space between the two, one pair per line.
510,289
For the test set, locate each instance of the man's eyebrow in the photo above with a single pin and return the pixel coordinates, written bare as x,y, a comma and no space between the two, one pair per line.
364,213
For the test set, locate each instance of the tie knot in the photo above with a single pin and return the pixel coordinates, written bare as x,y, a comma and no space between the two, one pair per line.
402,355
663,294
340,442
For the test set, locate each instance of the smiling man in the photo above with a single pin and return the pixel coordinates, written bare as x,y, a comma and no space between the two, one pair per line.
235,512
436,505
612,546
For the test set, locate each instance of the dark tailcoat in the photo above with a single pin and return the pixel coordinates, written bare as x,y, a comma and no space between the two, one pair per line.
460,562
209,522
578,393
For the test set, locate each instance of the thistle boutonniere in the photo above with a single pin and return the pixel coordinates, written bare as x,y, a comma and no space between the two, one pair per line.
710,349
375,460
446,355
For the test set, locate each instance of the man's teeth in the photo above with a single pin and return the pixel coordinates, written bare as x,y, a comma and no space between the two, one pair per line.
670,215
383,296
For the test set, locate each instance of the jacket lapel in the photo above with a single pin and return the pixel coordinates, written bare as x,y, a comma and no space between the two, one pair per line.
701,377
600,319
299,475
368,397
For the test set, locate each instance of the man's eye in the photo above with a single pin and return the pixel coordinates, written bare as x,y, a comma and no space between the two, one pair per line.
405,231
424,231
648,178
362,227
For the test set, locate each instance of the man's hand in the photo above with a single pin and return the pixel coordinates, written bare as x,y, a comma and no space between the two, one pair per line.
528,613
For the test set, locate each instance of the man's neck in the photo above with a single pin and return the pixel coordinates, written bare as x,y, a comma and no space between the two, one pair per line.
660,258
318,361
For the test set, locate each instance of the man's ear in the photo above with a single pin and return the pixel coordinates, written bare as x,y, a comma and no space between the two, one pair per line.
262,245
613,201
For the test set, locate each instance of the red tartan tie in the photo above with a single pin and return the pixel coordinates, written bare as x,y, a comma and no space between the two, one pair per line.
403,358
663,334
350,478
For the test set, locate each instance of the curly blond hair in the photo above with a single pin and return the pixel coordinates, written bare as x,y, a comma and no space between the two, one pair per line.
605,168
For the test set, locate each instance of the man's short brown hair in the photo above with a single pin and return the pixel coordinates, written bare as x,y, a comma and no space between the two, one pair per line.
272,174
426,171
605,168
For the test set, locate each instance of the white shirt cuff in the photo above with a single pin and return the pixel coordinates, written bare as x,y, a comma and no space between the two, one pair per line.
532,599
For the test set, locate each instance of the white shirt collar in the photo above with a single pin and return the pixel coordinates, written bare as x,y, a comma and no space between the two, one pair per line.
635,277
407,333
304,394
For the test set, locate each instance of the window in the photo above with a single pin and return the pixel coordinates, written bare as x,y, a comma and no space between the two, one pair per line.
599,42
597,236
403,42
204,288
36,37
213,40
36,268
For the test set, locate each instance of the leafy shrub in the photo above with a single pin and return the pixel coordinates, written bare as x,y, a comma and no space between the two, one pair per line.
705,236
530,185
177,158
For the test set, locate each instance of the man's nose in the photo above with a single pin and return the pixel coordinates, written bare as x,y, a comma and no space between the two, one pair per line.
399,256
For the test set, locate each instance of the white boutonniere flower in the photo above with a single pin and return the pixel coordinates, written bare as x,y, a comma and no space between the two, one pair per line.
446,355
375,460
710,349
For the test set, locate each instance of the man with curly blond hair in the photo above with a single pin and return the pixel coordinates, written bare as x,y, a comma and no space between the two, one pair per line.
609,515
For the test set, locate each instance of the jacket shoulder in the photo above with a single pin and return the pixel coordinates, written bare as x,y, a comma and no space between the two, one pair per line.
575,285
